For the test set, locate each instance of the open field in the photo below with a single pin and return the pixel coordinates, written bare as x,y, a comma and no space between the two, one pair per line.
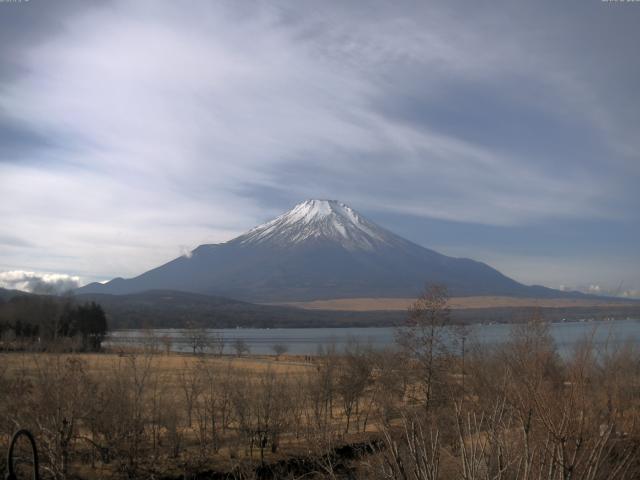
176,412
173,364
457,303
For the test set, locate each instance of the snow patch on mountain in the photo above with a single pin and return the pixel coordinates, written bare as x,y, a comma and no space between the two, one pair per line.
320,220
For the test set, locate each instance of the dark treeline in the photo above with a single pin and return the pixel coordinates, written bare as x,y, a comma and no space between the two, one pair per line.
48,321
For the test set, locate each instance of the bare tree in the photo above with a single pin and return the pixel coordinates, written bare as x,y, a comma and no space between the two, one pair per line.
189,380
423,337
198,339
321,386
166,343
411,455
217,343
279,349
215,399
241,347
270,408
353,378
118,413
61,396
150,340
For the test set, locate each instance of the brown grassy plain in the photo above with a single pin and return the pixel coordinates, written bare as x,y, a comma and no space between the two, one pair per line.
170,366
401,304
195,412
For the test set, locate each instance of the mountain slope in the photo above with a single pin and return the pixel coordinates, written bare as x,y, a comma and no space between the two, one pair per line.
6,294
320,249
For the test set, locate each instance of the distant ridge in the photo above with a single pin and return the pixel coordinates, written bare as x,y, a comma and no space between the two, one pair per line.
6,294
321,249
172,309
175,309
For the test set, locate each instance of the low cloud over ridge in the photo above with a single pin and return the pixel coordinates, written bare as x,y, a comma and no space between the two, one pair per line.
41,283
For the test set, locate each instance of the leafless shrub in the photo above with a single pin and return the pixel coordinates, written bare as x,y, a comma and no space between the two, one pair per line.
217,343
59,403
197,338
166,342
412,454
241,347
190,380
279,349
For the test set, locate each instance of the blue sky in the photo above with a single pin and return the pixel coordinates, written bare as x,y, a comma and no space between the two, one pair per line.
508,132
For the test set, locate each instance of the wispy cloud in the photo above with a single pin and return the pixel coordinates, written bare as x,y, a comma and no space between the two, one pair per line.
156,125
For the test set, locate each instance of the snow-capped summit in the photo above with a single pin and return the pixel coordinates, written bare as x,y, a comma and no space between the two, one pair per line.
316,221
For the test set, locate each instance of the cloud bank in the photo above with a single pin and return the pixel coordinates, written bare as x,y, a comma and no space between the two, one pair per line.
40,283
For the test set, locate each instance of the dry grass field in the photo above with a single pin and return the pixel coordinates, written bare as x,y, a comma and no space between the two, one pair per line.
171,365
178,412
373,304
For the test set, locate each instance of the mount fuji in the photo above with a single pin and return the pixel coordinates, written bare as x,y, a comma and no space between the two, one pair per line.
320,249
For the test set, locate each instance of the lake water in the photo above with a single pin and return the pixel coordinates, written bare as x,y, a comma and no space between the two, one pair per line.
306,341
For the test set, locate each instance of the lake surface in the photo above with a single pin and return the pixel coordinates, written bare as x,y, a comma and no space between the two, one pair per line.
307,341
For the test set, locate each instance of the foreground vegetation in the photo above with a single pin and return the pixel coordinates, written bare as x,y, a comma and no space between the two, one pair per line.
434,408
